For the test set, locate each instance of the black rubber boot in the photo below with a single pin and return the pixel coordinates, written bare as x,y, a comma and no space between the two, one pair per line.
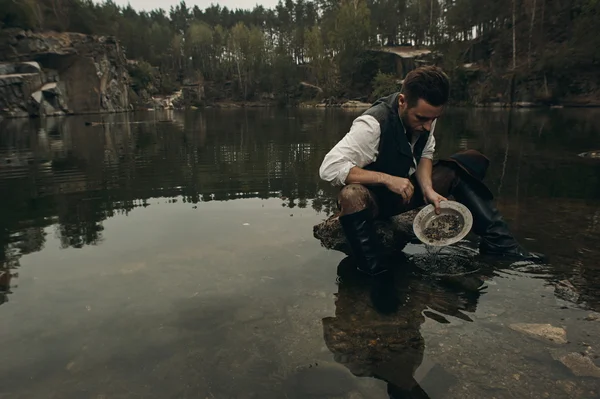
496,238
364,243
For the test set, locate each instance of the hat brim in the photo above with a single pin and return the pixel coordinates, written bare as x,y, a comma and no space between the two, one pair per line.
478,184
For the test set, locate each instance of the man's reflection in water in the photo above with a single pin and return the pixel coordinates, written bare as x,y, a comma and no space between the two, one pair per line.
373,339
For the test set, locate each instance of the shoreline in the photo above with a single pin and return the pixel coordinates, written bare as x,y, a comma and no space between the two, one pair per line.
349,106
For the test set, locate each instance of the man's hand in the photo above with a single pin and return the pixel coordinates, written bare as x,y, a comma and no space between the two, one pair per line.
431,197
401,186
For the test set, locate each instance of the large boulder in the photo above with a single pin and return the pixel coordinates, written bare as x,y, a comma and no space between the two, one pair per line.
394,233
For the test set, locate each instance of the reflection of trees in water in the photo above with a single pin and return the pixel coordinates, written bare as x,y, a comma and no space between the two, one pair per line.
12,247
75,176
60,171
79,221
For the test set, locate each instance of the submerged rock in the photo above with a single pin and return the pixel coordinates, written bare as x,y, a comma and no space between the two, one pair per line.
545,332
570,388
580,365
592,317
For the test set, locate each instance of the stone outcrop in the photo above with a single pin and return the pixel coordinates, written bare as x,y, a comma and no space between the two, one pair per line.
395,233
51,73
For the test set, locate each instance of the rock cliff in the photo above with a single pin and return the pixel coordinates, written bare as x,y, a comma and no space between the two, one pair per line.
51,73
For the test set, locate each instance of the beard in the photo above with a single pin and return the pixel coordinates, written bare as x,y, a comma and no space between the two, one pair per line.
403,114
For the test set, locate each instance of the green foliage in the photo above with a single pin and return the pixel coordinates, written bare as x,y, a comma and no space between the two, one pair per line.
384,84
242,54
285,79
143,77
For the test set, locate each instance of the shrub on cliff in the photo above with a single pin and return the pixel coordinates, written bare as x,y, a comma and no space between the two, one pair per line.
143,77
384,84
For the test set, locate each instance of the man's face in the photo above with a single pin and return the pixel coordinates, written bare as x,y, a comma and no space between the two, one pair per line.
418,119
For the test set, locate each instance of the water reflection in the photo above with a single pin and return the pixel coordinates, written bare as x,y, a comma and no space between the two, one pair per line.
152,275
74,173
372,342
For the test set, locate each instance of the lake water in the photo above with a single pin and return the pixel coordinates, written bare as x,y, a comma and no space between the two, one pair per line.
171,255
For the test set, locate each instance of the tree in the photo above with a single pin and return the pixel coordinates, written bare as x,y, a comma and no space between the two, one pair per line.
550,46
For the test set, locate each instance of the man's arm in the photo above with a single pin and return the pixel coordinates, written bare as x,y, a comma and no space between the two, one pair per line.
423,174
358,148
395,184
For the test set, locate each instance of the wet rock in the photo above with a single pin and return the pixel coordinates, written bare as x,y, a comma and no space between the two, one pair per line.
545,332
468,362
566,290
580,365
592,317
395,233
490,311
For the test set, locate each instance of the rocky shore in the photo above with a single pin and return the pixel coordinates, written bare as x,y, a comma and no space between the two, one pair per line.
49,74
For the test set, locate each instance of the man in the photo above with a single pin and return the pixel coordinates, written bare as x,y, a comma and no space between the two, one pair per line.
385,165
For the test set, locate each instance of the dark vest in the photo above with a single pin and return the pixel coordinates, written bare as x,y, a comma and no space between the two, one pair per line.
395,156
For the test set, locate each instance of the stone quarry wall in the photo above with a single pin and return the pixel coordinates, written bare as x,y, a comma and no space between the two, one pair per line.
50,73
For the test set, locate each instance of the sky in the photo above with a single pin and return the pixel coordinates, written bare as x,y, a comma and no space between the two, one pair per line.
148,5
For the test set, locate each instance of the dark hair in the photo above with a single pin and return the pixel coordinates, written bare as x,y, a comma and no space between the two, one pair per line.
427,82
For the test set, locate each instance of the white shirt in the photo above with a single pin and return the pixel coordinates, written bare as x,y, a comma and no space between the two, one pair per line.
360,147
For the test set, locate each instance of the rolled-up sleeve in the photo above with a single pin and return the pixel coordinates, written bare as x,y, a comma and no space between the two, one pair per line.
429,149
359,147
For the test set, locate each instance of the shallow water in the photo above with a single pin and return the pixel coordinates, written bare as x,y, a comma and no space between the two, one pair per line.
174,258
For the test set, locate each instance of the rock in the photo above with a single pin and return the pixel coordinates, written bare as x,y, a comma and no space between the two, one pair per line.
590,154
545,332
592,317
570,388
76,73
16,90
50,88
310,92
395,233
38,96
48,101
580,365
566,290
356,104
29,67
525,104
